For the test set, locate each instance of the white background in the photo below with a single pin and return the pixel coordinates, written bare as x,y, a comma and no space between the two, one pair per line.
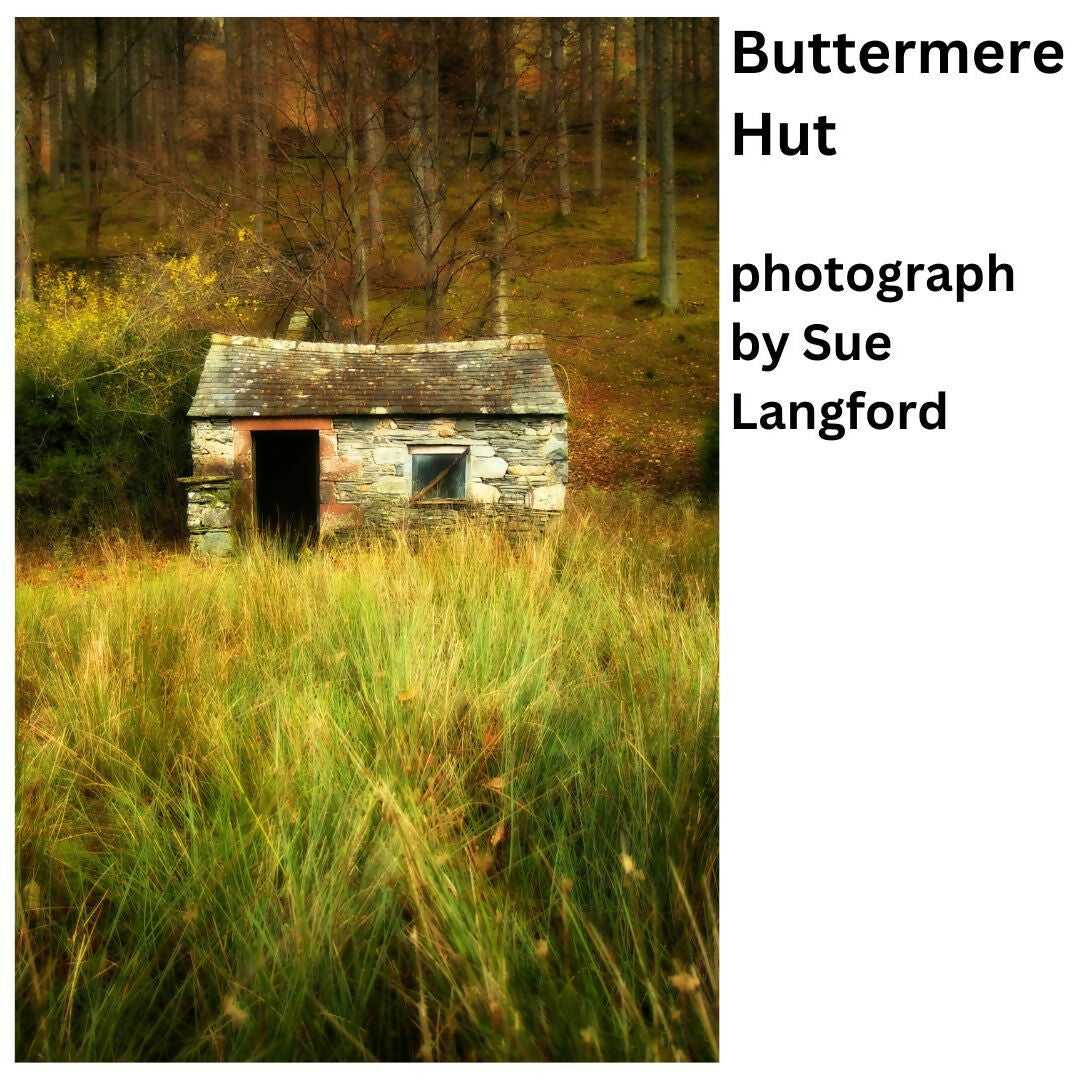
899,704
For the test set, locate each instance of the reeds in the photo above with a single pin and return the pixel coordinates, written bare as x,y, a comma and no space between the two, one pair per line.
446,800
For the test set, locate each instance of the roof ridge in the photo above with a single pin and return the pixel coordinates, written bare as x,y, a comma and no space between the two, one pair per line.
514,343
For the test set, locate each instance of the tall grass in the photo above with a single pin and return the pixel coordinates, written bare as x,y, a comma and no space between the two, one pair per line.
449,799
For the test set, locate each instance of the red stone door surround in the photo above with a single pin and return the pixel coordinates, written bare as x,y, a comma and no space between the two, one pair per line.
242,429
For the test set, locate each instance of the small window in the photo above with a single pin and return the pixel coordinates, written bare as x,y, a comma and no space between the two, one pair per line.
438,475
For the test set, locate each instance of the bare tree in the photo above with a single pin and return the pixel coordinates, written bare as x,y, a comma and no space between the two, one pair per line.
685,57
641,191
420,104
562,141
232,100
95,135
259,121
695,62
82,107
597,126
373,88
545,73
55,109
495,318
159,117
24,224
511,91
665,137
359,316
615,69
32,56
582,43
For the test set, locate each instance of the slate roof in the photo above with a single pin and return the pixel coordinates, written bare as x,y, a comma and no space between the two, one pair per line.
244,377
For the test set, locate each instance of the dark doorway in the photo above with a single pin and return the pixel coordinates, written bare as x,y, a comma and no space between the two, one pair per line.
287,484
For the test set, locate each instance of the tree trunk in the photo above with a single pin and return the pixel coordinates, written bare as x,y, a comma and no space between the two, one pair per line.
107,94
170,113
320,85
358,284
650,67
421,103
615,72
669,281
512,99
496,318
118,97
67,123
141,104
179,42
562,142
413,107
24,224
247,50
232,102
583,68
677,91
56,139
31,45
597,109
82,112
684,70
714,59
129,83
434,192
99,149
372,89
259,118
545,73
158,115
695,62
641,85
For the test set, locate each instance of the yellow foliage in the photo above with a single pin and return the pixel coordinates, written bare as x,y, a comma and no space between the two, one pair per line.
115,322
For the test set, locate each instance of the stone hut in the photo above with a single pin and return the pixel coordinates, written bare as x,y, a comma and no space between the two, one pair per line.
316,438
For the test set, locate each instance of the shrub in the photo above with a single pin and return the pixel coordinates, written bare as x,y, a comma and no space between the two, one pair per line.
105,367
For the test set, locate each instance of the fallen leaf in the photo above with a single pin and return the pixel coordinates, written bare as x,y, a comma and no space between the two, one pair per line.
233,1011
685,981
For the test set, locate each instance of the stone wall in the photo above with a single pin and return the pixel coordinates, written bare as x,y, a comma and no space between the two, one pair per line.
210,515
212,446
516,468
517,471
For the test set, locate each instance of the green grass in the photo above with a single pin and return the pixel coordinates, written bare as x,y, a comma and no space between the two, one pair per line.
443,800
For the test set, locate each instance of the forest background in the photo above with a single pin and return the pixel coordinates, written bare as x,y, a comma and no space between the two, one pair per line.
363,180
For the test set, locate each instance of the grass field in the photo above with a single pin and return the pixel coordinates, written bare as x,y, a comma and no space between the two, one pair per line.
446,800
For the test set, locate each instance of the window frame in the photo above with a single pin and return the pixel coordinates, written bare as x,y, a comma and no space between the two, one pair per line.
455,450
